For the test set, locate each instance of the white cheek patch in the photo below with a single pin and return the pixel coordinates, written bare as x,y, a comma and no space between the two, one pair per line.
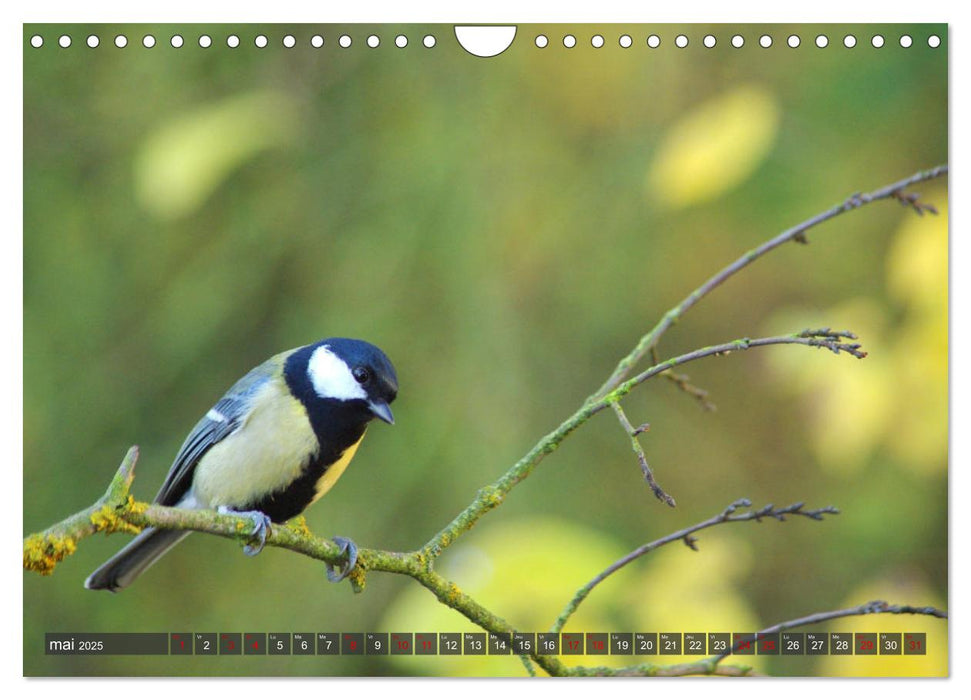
331,377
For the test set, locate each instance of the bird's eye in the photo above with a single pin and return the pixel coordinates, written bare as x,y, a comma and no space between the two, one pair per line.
362,375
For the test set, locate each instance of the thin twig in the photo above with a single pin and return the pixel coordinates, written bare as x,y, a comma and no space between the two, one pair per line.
633,432
912,200
683,382
728,515
821,338
871,608
712,666
797,233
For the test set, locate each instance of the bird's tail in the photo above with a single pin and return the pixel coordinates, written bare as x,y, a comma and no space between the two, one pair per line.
132,561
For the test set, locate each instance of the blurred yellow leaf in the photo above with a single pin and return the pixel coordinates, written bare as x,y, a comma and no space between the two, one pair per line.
919,429
917,262
917,275
186,159
714,147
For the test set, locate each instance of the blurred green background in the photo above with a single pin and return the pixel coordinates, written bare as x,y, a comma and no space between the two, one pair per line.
505,229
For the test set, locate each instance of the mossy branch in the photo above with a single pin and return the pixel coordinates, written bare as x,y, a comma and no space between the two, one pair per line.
117,511
44,550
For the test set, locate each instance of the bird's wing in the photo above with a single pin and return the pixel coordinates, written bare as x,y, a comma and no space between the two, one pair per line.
229,413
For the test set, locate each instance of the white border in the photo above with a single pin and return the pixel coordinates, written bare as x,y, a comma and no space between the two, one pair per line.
499,12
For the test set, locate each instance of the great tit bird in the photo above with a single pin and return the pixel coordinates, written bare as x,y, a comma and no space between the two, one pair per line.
275,443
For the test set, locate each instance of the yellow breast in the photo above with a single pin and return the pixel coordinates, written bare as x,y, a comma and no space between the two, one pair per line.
335,470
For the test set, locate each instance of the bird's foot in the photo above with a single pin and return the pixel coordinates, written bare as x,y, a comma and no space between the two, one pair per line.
348,548
261,527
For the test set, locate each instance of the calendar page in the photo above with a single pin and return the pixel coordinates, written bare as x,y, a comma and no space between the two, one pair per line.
485,350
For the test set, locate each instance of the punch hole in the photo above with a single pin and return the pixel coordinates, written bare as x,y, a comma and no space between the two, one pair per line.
176,41
485,42
680,41
37,41
64,41
934,41
597,41
148,41
121,41
205,41
849,41
738,41
401,41
374,41
793,41
709,41
541,41
906,41
569,41
654,41
93,41
344,41
289,42
625,41
429,41
316,41
877,41
232,41
765,41
260,41
822,41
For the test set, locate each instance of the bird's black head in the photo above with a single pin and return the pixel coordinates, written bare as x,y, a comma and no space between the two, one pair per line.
344,370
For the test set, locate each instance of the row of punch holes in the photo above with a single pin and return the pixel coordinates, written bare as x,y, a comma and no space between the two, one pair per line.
233,41
541,41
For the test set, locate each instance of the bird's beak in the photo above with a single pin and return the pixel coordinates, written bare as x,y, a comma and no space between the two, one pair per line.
382,411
